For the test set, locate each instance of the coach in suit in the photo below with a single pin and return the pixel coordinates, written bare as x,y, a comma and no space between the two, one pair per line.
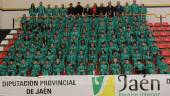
78,9
87,10
101,9
110,9
70,9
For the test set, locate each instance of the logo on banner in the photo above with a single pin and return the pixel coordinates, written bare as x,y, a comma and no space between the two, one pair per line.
103,86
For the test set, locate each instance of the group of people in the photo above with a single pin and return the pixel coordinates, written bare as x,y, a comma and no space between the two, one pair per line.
84,45
109,10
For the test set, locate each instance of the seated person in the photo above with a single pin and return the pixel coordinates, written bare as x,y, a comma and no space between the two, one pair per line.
46,68
22,68
81,69
127,67
3,68
115,67
36,68
104,68
140,67
162,67
69,69
91,68
11,69
150,67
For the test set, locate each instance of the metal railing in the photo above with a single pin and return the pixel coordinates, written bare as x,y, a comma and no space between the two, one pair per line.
160,17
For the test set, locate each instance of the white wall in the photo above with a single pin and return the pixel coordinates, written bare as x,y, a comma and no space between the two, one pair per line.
158,12
26,3
0,13
0,19
6,17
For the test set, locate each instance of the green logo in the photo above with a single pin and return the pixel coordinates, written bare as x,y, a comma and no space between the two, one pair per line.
97,84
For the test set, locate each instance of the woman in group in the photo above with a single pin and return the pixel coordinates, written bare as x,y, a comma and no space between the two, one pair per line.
94,9
32,10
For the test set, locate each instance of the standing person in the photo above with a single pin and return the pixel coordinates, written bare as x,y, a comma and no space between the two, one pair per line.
62,11
32,10
24,22
56,11
49,11
78,9
94,9
70,9
118,9
101,9
134,8
41,9
87,10
127,8
110,9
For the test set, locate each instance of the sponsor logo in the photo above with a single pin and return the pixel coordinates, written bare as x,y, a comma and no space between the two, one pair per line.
103,86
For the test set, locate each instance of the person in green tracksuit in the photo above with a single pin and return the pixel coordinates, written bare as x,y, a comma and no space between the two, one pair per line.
127,67
150,67
127,8
91,68
41,10
148,56
32,10
81,69
38,56
124,55
62,11
134,8
48,22
115,67
143,10
81,57
58,67
24,22
154,48
136,56
162,67
36,68
11,69
104,68
56,11
8,57
23,68
50,57
103,56
3,68
46,68
92,56
140,67
113,55
113,47
49,11
69,69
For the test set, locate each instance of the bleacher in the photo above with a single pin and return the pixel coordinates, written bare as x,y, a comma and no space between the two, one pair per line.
162,37
86,45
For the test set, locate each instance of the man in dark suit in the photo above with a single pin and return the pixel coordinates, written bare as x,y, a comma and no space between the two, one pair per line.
70,9
101,9
118,9
79,9
110,9
87,10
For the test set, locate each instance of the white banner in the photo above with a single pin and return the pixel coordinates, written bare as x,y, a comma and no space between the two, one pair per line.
118,85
